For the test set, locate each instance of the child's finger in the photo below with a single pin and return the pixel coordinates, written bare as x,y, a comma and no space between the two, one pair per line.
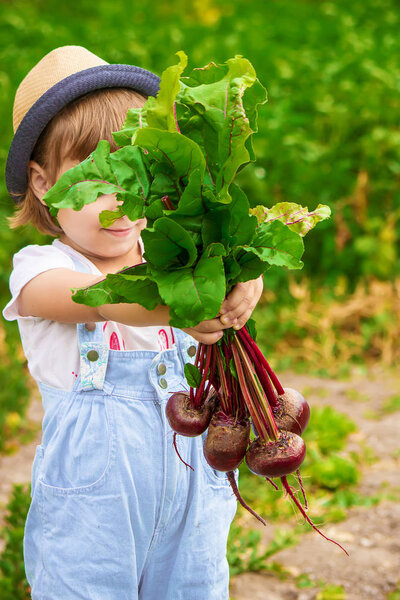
229,318
234,298
204,338
211,326
242,320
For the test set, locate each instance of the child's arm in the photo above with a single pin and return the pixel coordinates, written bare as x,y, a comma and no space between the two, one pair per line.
48,296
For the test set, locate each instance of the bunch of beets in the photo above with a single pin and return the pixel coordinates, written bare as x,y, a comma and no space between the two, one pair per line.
238,388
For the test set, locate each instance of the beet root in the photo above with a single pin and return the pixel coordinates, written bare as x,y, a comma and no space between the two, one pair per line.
226,442
231,478
291,412
186,419
276,458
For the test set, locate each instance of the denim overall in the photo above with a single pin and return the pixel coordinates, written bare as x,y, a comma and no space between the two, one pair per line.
115,515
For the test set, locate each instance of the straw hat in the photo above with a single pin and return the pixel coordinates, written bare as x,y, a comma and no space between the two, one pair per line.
58,78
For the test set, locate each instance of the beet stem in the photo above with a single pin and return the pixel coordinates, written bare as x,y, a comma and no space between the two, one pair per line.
306,517
222,379
272,483
261,372
212,370
231,478
199,394
264,362
258,423
258,390
177,451
302,489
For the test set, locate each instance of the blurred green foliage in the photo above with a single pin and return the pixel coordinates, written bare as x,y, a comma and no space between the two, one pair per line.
13,584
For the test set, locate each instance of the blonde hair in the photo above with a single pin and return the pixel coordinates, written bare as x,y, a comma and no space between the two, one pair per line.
73,133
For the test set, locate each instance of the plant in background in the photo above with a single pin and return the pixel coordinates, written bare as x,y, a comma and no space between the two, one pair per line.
13,584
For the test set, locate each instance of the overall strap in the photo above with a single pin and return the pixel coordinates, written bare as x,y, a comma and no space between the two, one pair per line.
92,349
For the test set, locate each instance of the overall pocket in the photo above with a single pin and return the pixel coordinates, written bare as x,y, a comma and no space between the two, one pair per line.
80,454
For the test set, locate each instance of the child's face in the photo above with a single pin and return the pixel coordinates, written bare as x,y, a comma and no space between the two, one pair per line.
83,231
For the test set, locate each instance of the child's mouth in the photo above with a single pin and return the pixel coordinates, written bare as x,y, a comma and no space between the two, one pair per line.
119,232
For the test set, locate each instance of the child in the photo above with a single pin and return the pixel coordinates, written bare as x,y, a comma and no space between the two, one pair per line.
114,514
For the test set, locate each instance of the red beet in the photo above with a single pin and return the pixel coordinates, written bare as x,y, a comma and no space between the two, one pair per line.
291,412
184,418
226,442
276,458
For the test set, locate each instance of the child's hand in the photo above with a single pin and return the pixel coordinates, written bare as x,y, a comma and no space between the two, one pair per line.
238,306
235,312
207,332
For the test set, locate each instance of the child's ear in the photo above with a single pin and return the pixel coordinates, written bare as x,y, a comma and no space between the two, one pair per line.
39,180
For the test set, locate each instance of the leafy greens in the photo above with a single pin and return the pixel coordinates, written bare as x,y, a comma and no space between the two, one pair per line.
178,158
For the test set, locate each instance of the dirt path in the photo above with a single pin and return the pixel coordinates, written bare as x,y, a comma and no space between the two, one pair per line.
16,468
371,535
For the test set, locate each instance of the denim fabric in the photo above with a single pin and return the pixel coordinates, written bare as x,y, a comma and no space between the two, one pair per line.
115,515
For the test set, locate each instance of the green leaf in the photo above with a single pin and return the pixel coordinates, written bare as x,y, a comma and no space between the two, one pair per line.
154,211
96,295
193,375
133,206
135,119
251,266
191,202
230,224
214,250
164,181
232,271
83,183
173,150
195,293
128,166
168,245
277,245
160,110
251,328
218,100
137,289
122,172
108,217
296,217
133,284
232,368
242,225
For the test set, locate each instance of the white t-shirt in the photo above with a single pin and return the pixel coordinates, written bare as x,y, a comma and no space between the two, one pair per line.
51,348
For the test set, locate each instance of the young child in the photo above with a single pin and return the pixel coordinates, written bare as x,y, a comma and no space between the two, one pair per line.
114,513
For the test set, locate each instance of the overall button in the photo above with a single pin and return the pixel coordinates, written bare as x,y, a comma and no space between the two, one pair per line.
163,383
191,350
90,326
92,355
161,369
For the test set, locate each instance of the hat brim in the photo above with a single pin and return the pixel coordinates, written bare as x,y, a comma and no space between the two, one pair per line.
54,99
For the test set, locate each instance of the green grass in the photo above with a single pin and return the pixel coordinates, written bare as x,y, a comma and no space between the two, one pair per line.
13,584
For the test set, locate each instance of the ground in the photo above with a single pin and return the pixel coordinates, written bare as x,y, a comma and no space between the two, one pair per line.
371,535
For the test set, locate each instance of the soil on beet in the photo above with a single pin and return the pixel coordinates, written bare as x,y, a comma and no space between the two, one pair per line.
371,535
